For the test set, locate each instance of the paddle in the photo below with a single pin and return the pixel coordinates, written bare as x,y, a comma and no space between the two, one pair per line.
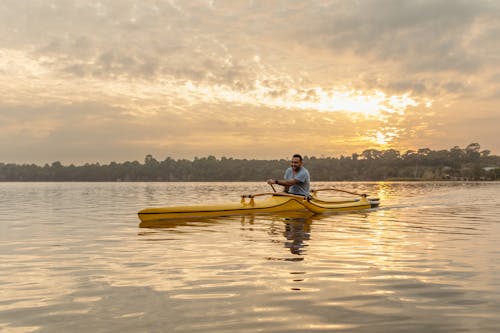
279,194
338,190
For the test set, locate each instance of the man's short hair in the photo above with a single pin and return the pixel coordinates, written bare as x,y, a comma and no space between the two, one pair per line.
298,156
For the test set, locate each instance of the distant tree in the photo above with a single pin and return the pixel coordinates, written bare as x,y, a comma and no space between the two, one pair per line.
390,154
475,147
371,154
485,153
472,151
423,151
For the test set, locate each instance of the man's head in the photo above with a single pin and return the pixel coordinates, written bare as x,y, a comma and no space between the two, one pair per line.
296,162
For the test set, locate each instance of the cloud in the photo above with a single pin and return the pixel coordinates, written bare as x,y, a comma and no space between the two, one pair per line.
187,76
425,41
216,42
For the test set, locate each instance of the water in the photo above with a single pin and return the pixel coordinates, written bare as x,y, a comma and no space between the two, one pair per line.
73,259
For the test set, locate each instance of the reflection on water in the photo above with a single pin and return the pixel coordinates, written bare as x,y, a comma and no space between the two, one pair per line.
297,231
73,259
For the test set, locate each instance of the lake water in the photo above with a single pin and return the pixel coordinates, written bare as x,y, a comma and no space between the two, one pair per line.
73,259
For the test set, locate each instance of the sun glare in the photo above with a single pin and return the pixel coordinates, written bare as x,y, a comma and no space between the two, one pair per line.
350,101
384,137
381,139
372,103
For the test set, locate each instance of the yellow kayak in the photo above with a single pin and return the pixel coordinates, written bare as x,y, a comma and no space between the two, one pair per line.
272,203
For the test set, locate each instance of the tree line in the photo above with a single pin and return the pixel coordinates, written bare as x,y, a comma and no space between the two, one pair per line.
469,163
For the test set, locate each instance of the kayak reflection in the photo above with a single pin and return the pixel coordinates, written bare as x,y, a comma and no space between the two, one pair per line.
249,219
174,223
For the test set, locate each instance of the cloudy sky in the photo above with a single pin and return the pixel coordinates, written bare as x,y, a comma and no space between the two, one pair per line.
101,81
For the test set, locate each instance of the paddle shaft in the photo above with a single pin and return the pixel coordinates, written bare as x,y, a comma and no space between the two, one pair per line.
338,190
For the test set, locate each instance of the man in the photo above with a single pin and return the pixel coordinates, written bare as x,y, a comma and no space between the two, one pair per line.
297,178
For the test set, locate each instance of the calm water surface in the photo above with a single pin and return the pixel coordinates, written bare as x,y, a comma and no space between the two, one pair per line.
73,259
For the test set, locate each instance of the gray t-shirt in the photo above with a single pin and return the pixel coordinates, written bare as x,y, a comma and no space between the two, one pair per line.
302,187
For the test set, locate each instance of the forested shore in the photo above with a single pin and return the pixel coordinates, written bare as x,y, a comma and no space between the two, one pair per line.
469,163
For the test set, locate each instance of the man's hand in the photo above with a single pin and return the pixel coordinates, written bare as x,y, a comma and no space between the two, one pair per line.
271,181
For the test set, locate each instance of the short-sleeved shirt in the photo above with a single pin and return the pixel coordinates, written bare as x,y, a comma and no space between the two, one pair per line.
302,187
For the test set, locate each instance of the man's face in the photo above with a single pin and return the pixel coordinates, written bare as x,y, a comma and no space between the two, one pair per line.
296,163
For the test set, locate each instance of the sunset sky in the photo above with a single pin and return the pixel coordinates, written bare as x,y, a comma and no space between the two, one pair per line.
101,81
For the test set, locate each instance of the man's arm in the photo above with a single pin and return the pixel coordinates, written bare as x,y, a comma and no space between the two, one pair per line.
283,182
